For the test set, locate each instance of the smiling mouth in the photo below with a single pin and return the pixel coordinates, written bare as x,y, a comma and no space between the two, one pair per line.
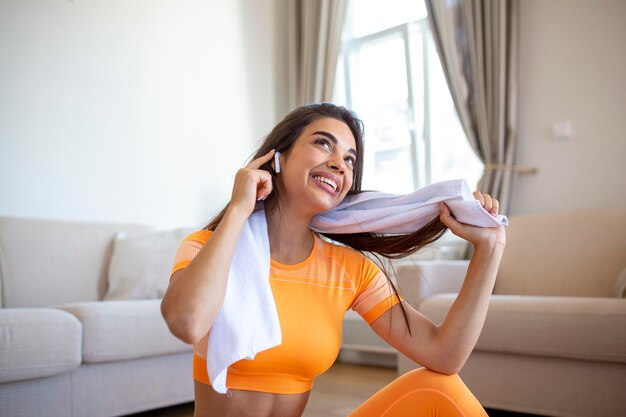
327,181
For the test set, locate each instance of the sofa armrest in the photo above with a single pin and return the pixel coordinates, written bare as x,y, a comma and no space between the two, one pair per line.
422,279
38,342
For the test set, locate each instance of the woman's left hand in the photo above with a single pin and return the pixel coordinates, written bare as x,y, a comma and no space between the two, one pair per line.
478,236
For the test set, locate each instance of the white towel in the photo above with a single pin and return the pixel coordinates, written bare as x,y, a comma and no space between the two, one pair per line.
389,213
248,321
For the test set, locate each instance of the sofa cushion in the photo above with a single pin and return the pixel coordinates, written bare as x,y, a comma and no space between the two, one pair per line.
141,263
38,342
120,330
590,328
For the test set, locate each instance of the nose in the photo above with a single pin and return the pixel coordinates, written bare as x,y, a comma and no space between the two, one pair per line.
335,165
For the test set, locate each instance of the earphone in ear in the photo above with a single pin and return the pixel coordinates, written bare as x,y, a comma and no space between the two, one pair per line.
277,162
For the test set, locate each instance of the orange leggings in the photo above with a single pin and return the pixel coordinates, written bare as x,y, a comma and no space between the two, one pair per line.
422,393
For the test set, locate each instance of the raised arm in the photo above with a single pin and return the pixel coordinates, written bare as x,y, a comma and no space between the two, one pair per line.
196,293
446,347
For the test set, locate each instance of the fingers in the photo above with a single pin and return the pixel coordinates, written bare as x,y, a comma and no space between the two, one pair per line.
483,199
496,207
256,164
490,204
250,185
264,186
446,217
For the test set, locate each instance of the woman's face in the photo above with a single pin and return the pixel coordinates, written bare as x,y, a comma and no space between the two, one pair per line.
317,171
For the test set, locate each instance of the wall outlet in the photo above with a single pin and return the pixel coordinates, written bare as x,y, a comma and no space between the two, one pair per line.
562,130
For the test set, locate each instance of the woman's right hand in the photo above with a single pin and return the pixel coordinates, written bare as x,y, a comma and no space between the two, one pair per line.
251,184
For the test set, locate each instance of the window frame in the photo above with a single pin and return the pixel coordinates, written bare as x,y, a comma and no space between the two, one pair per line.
403,32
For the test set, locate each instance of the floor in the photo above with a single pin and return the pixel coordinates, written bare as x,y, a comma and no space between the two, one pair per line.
337,392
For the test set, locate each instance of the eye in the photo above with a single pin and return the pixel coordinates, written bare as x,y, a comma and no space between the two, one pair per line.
323,142
351,161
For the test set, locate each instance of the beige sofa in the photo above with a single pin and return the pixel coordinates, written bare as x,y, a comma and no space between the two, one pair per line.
554,341
65,352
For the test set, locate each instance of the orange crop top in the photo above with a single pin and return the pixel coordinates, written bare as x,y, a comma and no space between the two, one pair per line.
311,298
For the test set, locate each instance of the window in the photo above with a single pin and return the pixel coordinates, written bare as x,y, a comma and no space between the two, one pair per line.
390,74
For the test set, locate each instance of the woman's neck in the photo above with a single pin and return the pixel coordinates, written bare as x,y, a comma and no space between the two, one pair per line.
291,240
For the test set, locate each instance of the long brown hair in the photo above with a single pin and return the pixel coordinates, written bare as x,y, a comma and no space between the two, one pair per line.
285,134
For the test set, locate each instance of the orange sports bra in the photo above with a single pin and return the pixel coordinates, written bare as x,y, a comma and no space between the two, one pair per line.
311,298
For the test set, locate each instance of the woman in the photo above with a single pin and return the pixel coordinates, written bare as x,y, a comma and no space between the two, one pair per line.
314,282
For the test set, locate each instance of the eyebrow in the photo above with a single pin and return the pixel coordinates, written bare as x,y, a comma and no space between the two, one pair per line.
333,139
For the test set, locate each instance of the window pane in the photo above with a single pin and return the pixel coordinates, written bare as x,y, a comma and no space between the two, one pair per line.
407,144
378,72
371,16
379,95
419,102
451,154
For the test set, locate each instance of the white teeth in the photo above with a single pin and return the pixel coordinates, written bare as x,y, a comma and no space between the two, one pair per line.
326,180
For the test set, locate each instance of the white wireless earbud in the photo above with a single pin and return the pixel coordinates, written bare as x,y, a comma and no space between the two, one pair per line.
277,162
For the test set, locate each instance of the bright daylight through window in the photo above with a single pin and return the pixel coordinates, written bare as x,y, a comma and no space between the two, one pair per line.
389,73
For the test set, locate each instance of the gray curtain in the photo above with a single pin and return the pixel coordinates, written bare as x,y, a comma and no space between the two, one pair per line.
477,41
315,28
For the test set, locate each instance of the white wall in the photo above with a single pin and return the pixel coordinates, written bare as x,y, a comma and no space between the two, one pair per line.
572,66
142,111
131,111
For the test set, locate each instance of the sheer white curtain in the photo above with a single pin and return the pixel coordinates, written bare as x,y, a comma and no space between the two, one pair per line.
477,41
315,28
